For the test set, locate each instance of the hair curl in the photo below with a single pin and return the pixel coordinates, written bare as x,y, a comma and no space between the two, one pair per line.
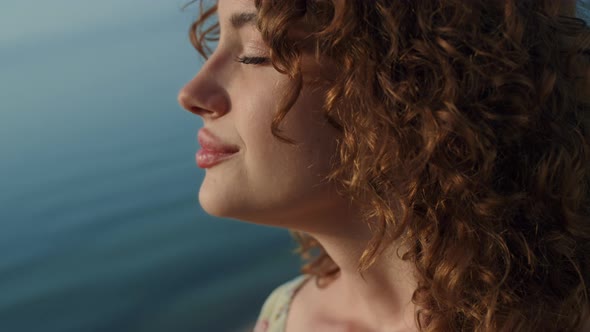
464,135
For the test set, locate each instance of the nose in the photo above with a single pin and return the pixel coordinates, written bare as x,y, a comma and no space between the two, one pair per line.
204,96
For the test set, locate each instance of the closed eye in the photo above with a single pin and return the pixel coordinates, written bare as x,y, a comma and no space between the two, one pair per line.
254,60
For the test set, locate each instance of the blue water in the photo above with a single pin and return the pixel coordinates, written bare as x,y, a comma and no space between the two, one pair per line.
101,227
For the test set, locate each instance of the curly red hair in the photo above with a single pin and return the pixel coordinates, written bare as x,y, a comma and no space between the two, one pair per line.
465,136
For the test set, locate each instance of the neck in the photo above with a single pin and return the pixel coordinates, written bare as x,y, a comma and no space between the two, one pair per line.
381,296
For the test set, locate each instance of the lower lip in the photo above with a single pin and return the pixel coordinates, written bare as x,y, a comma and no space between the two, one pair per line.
207,158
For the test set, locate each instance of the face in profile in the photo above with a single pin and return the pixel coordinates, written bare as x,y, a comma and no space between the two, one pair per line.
260,178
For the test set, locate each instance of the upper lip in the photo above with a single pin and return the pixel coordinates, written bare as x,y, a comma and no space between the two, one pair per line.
210,142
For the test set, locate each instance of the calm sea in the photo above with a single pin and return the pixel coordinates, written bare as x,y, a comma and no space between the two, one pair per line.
101,227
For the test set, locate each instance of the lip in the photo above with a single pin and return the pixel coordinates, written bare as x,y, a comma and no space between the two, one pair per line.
213,150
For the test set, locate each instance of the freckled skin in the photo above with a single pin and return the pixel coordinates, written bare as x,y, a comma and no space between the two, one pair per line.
268,181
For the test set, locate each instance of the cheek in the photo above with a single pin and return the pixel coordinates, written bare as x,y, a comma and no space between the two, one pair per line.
273,179
303,162
253,126
308,125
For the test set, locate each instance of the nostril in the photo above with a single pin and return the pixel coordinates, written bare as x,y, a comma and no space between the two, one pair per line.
189,103
206,100
198,110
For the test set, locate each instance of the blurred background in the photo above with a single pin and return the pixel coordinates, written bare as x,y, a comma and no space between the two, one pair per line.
101,226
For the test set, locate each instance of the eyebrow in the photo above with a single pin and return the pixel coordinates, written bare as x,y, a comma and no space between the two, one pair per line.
239,20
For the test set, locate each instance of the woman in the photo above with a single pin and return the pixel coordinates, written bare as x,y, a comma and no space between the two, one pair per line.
431,157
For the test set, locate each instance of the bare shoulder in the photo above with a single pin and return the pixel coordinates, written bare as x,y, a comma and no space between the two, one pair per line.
308,306
300,307
312,308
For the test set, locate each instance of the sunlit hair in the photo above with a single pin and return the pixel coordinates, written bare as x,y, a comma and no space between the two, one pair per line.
464,139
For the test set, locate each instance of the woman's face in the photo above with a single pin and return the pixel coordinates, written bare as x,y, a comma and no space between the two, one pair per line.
266,181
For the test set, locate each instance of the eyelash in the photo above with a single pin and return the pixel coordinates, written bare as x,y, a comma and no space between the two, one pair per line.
254,60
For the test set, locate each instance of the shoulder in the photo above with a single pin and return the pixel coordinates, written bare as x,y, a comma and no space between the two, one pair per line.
274,311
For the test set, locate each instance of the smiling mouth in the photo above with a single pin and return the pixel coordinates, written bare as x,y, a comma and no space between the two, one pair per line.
213,149
209,158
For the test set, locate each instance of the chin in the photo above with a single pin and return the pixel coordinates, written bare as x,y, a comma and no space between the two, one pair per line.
212,205
220,204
